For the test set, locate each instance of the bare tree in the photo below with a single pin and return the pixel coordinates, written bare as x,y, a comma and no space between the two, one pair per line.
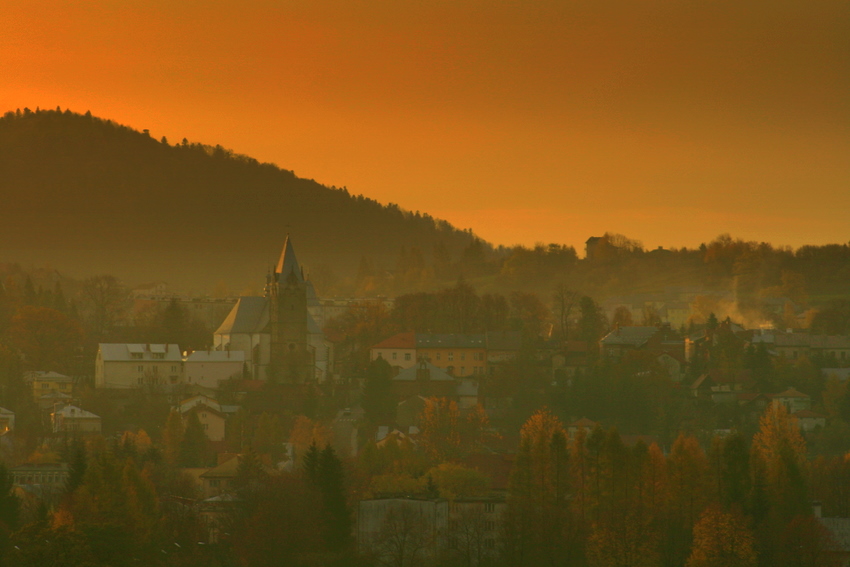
406,537
105,298
565,299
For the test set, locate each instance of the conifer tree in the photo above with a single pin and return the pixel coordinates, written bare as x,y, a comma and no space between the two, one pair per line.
332,486
193,445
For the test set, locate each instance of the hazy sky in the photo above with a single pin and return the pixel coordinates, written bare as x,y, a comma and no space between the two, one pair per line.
668,121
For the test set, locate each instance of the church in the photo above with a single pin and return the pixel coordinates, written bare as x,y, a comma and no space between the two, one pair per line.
280,338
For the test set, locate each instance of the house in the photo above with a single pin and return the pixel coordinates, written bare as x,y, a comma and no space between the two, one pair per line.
52,475
457,354
569,360
71,419
583,424
209,413
399,351
43,382
208,368
502,347
809,420
403,530
221,479
7,420
625,339
793,400
277,334
721,387
128,366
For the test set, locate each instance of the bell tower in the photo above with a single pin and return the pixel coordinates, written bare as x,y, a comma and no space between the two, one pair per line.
291,359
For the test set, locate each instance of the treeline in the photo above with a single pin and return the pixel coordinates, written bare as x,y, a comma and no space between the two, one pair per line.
593,500
92,184
752,272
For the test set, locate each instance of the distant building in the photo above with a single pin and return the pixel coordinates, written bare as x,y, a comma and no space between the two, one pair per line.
208,368
276,332
71,419
125,366
459,355
43,382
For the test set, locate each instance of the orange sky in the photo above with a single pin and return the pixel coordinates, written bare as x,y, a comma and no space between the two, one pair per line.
668,121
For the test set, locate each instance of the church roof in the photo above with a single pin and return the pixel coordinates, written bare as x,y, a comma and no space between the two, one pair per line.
288,263
249,315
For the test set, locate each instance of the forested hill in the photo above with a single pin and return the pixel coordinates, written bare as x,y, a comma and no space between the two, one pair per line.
92,187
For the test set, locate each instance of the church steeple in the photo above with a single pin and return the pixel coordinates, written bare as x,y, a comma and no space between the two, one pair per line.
290,356
288,264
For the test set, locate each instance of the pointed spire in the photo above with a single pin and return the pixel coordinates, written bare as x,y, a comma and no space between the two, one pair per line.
288,264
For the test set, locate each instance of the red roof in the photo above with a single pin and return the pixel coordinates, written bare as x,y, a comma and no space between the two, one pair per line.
401,340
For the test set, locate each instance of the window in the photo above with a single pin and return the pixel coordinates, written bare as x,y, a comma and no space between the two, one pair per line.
206,426
462,370
407,356
438,356
395,355
489,526
463,356
489,543
141,368
136,355
451,356
174,369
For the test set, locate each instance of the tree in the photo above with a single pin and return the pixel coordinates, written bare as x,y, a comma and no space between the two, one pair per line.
781,450
172,438
591,322
378,401
806,542
10,508
564,300
440,432
48,339
104,298
194,450
537,515
331,485
722,539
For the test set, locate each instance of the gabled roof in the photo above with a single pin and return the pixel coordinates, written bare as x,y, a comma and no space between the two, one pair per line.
629,336
73,412
401,340
288,264
584,422
790,393
249,315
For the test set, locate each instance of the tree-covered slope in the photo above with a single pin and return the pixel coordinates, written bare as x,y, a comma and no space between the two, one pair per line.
78,183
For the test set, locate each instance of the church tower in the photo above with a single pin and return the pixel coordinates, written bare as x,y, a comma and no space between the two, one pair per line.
290,356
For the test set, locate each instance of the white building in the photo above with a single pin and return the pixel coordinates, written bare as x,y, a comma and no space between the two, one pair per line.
208,368
124,366
73,419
